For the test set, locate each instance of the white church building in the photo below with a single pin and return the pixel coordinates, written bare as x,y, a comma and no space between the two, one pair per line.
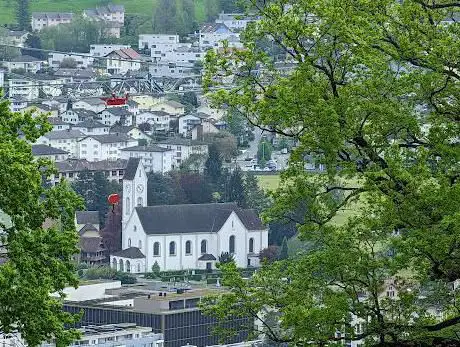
180,237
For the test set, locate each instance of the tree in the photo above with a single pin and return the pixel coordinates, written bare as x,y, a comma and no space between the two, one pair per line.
39,260
197,190
264,152
164,190
225,258
156,269
225,144
235,189
111,233
255,196
213,165
68,63
95,188
284,251
236,125
23,14
164,18
189,98
269,254
33,41
373,95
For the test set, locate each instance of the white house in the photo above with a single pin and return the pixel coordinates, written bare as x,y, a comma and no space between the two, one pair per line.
188,122
83,61
23,88
58,123
92,127
93,104
159,120
104,147
123,60
108,13
198,132
77,115
183,149
131,131
212,36
17,103
42,20
119,115
172,70
24,62
235,21
150,41
101,50
66,140
179,237
48,152
172,107
154,158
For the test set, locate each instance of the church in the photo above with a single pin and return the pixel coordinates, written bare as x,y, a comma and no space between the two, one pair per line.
180,237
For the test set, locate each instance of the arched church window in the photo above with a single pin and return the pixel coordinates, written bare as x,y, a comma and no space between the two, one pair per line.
140,202
128,205
251,245
204,246
172,248
156,249
140,244
188,247
231,244
129,242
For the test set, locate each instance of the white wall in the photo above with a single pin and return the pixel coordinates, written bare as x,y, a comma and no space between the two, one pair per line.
92,150
89,291
101,50
95,108
69,145
82,60
153,161
152,39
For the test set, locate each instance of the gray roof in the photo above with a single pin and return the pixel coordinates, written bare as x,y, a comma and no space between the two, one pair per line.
24,59
77,165
131,168
183,219
123,129
56,121
146,149
180,141
90,124
111,138
130,253
87,227
173,103
75,73
46,150
207,257
93,101
52,15
64,134
87,217
91,244
84,113
118,111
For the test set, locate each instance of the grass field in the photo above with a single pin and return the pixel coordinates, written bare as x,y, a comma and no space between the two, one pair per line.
269,182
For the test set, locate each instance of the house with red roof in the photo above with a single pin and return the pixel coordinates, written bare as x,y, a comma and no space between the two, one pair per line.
123,60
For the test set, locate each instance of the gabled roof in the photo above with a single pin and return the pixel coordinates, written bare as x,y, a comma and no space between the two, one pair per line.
122,129
207,257
56,121
24,59
145,149
174,104
111,138
52,15
131,168
250,219
126,53
180,141
93,101
90,124
46,150
130,253
118,111
183,219
77,165
64,134
91,244
213,27
84,113
87,217
87,227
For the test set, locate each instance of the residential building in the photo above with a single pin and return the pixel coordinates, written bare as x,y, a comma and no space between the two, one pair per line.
76,75
91,126
87,219
172,70
154,158
159,120
77,115
116,115
189,121
149,41
158,50
61,103
23,88
92,104
92,250
146,101
172,107
123,60
121,334
214,113
235,21
101,50
212,35
183,149
183,55
133,106
108,13
180,237
48,152
42,20
58,124
24,62
17,103
131,131
83,61
199,132
16,37
176,316
38,108
104,147
70,169
66,140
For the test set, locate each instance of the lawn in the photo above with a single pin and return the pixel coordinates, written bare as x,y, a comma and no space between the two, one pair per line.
269,182
7,15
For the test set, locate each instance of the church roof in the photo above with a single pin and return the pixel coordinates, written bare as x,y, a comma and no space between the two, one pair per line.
182,219
207,257
130,253
131,168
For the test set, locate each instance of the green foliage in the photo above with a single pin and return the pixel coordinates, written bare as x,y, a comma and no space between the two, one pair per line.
237,126
68,63
255,196
284,251
226,257
225,144
264,152
373,94
107,273
270,254
213,165
235,188
40,261
23,14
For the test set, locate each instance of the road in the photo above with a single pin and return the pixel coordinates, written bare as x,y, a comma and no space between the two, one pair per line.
250,152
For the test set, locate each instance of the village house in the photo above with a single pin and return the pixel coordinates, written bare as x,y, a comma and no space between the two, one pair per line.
25,63
16,38
48,152
131,131
92,127
70,169
154,158
150,41
235,21
107,13
42,20
199,132
38,108
82,61
212,35
179,237
101,50
189,121
172,107
92,250
17,103
58,124
116,115
66,140
183,149
92,104
104,147
77,115
123,60
158,120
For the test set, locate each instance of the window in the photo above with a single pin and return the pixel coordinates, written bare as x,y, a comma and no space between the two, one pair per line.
140,244
204,246
138,267
233,225
134,228
251,245
114,173
114,263
140,202
231,244
121,266
129,242
188,248
172,248
128,207
156,249
128,266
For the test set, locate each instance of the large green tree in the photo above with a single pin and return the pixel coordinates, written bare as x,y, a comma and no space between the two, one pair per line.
369,89
23,14
39,259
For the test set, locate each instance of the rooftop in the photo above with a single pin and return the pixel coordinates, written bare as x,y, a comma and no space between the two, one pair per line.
38,150
126,53
111,138
77,165
131,168
146,149
181,142
24,59
130,253
90,123
64,134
